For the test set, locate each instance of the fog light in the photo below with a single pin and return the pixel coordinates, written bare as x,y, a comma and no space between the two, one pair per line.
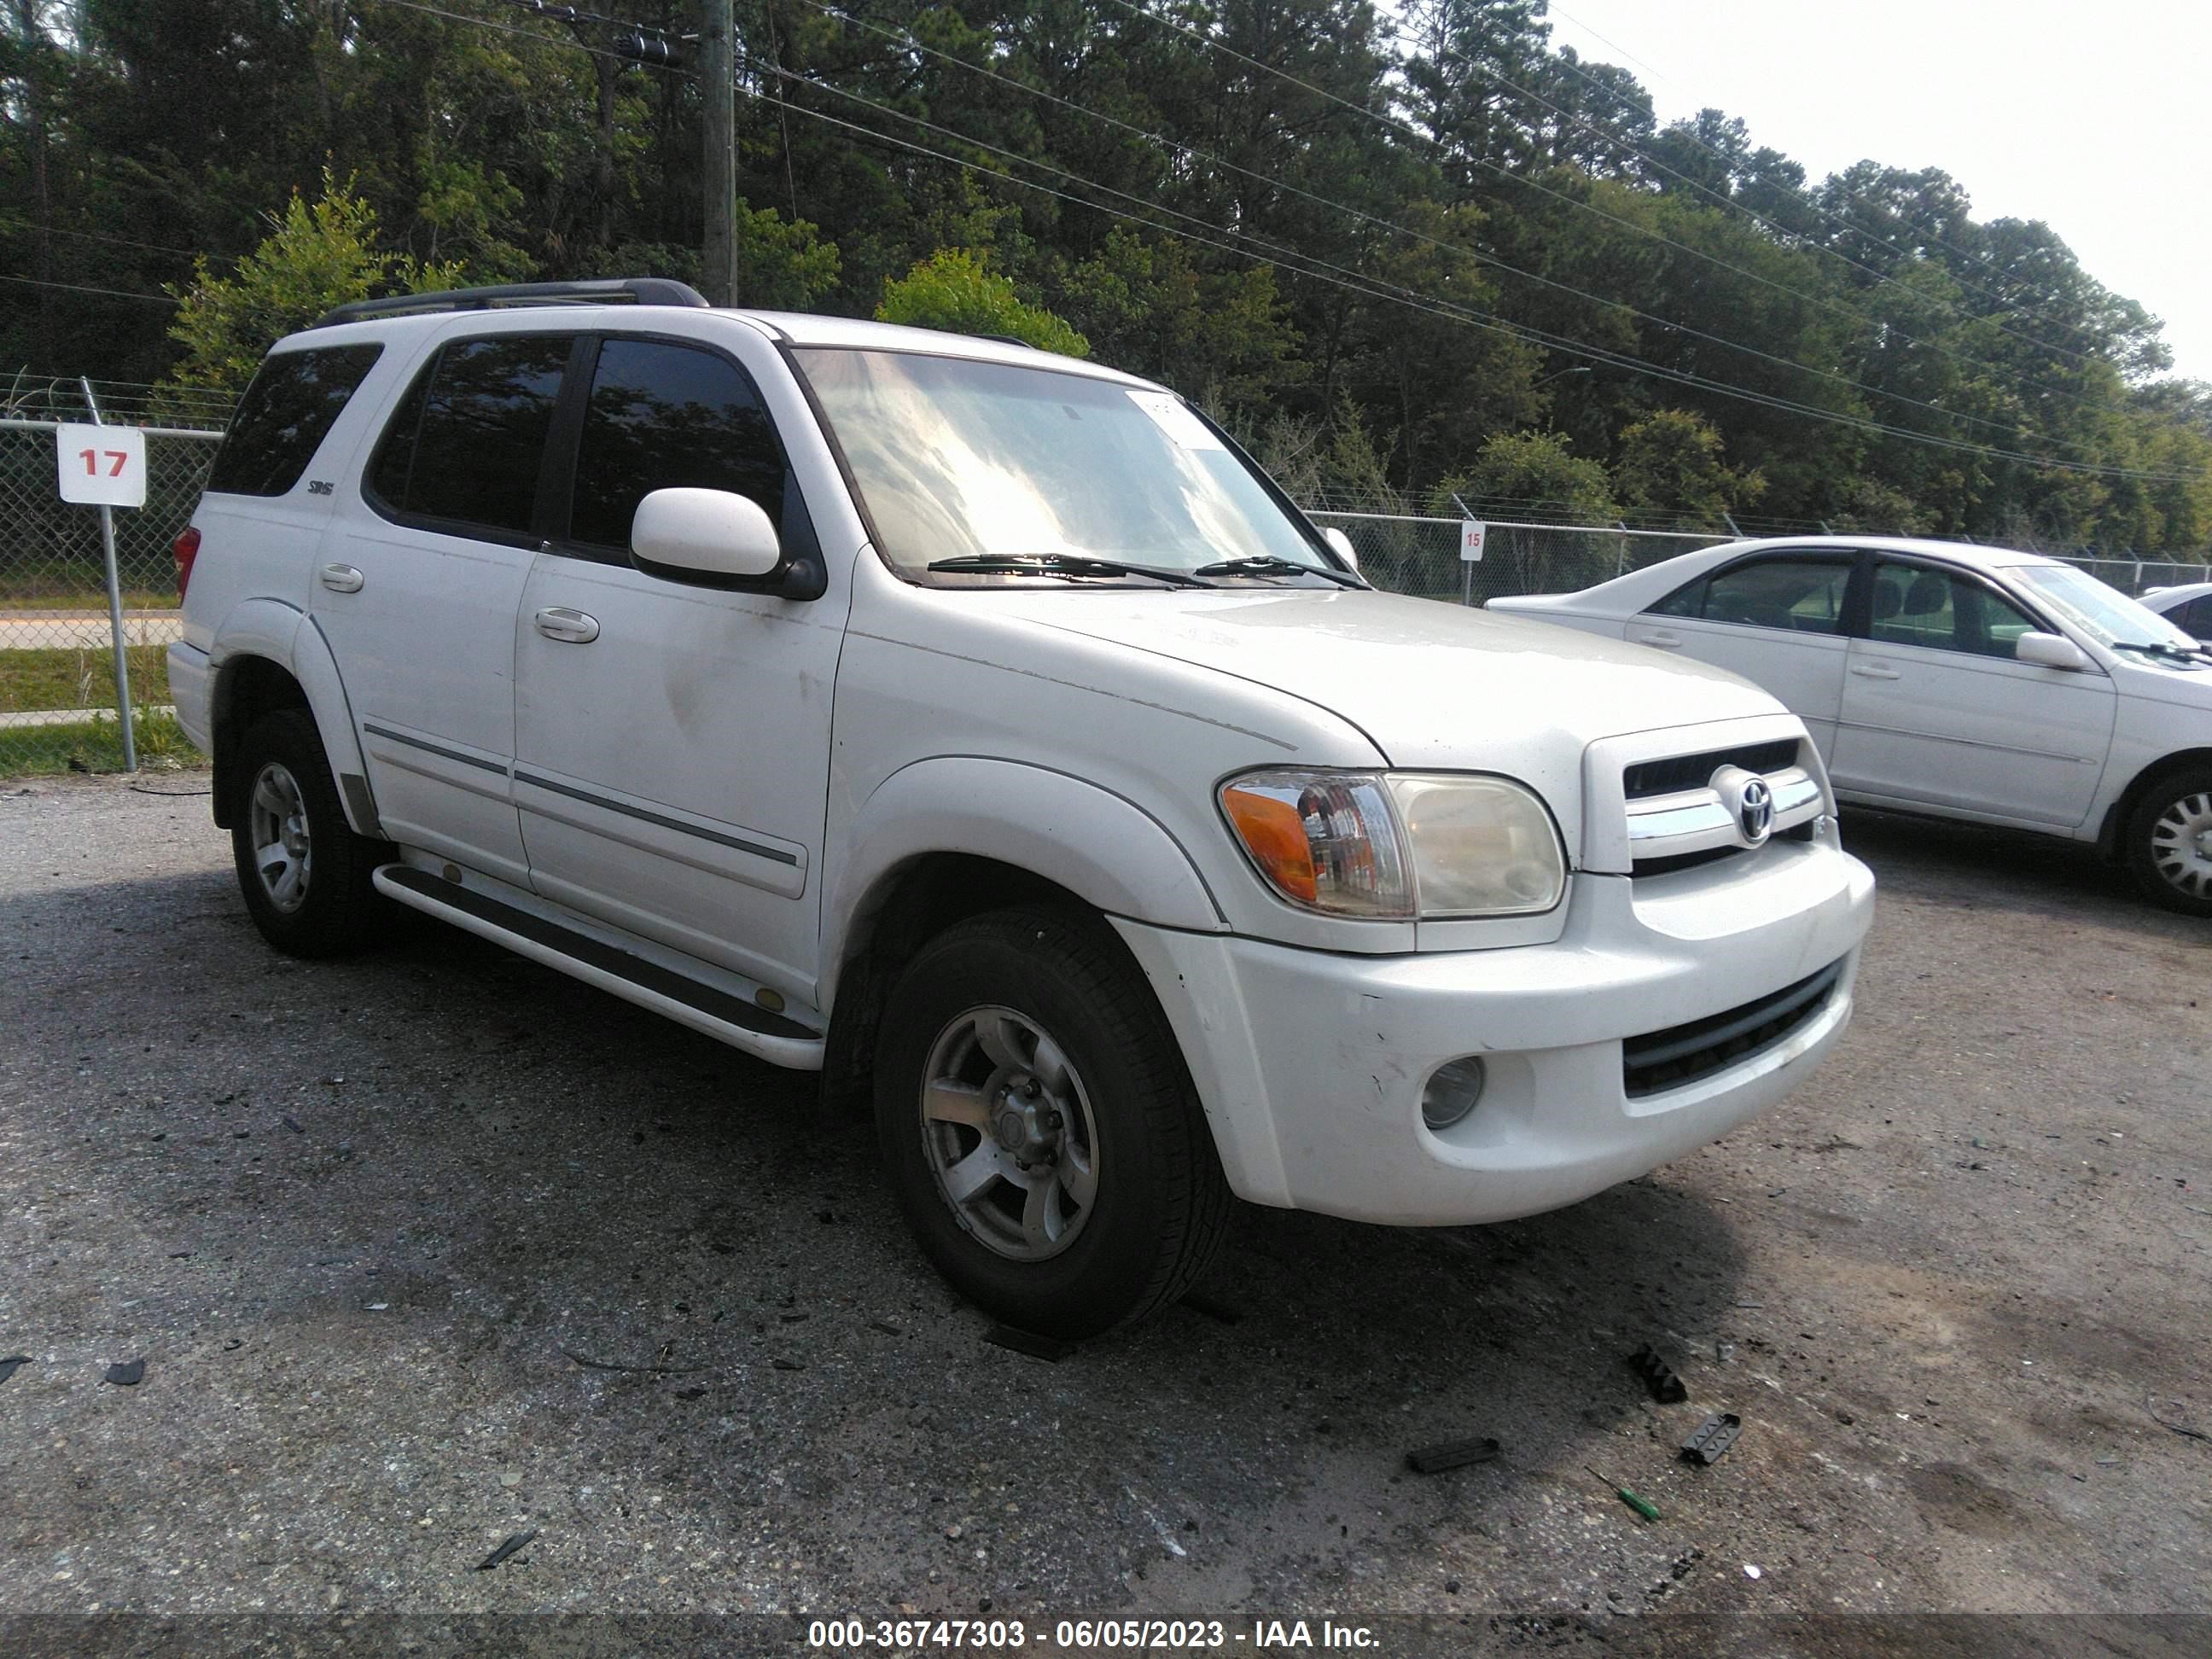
1451,1092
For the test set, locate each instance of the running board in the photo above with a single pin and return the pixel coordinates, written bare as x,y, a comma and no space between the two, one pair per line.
717,1014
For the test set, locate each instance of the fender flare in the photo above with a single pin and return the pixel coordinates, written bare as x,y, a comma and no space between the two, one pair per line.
1099,846
288,636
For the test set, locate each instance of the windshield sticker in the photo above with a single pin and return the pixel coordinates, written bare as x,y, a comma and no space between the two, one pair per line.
1169,415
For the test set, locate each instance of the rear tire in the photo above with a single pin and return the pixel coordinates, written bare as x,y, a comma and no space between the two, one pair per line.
2169,845
1039,1128
304,873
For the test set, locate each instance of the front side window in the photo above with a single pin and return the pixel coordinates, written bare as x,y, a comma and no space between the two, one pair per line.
957,459
469,443
2098,609
1803,595
664,416
284,416
1939,610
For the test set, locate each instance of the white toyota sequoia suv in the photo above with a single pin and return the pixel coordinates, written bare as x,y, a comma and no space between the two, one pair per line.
984,729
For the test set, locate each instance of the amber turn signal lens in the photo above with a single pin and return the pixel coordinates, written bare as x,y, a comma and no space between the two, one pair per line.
1273,834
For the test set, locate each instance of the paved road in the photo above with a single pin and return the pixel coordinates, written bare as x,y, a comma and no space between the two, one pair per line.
434,1247
24,630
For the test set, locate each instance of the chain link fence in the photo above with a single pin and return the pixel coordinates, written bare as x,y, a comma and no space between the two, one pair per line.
1420,556
58,694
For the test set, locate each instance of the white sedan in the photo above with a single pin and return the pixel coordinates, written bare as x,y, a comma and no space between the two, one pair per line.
1963,682
2189,608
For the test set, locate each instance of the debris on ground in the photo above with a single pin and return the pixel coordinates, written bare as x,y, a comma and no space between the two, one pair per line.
1450,1455
886,1327
609,1365
9,1365
1643,1505
1658,1377
293,1124
515,1541
126,1374
1710,1443
1028,1342
2174,1428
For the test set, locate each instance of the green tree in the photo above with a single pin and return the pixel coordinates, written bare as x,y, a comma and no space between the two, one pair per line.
1531,474
1671,461
954,288
317,255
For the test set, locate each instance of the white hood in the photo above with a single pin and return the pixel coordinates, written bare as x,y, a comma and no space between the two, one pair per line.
1432,684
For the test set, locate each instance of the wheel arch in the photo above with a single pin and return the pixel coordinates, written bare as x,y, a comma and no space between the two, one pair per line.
2123,809
269,656
943,839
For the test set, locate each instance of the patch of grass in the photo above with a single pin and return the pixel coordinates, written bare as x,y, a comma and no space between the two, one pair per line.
81,587
79,678
96,745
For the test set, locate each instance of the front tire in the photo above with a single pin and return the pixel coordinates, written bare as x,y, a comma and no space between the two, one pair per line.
2169,846
304,873
1039,1129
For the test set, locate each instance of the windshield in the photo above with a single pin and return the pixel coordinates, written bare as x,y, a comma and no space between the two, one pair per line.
959,459
2104,613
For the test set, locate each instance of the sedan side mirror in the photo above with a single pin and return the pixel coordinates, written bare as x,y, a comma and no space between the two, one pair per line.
1342,543
712,537
2051,651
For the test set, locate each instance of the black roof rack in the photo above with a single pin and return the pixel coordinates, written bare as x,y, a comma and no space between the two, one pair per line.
637,290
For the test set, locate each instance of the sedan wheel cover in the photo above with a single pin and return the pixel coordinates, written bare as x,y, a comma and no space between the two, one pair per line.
276,821
1007,1130
2181,845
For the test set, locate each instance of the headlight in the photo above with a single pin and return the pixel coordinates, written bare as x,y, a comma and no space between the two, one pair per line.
1482,846
1400,844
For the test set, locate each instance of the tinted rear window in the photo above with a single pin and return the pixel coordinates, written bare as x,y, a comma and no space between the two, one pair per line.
285,416
469,442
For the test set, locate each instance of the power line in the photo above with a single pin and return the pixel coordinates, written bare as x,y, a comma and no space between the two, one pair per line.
1373,287
1780,232
1629,225
534,35
1356,283
1457,250
80,288
1805,197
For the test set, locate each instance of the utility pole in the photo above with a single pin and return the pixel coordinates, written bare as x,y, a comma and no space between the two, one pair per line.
718,83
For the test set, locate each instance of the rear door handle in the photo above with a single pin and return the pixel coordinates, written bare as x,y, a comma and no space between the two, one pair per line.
341,579
570,627
1664,642
1876,671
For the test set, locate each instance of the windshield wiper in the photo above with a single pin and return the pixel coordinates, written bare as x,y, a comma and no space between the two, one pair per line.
2160,649
1267,564
1060,564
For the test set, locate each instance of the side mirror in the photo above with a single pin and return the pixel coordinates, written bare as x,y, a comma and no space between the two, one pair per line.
710,537
1342,543
2050,651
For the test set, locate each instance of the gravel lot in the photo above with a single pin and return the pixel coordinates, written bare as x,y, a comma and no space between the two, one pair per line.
435,1247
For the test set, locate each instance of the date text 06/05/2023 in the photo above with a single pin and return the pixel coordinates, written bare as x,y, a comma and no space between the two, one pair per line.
1087,1634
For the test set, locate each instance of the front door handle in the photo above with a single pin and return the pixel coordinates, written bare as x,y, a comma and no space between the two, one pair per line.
1876,671
341,579
570,627
1664,642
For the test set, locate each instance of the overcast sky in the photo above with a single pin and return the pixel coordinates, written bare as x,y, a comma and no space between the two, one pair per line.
2093,117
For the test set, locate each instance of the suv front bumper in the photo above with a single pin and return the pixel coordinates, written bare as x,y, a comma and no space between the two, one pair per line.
1311,1064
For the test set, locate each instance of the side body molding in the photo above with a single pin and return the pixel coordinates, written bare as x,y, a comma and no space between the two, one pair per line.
290,638
1096,844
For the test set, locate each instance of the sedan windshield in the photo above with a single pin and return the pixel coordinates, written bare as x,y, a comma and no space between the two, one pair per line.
2104,613
995,463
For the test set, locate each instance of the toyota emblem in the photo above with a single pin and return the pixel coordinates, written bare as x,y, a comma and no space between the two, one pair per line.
1755,811
1750,801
